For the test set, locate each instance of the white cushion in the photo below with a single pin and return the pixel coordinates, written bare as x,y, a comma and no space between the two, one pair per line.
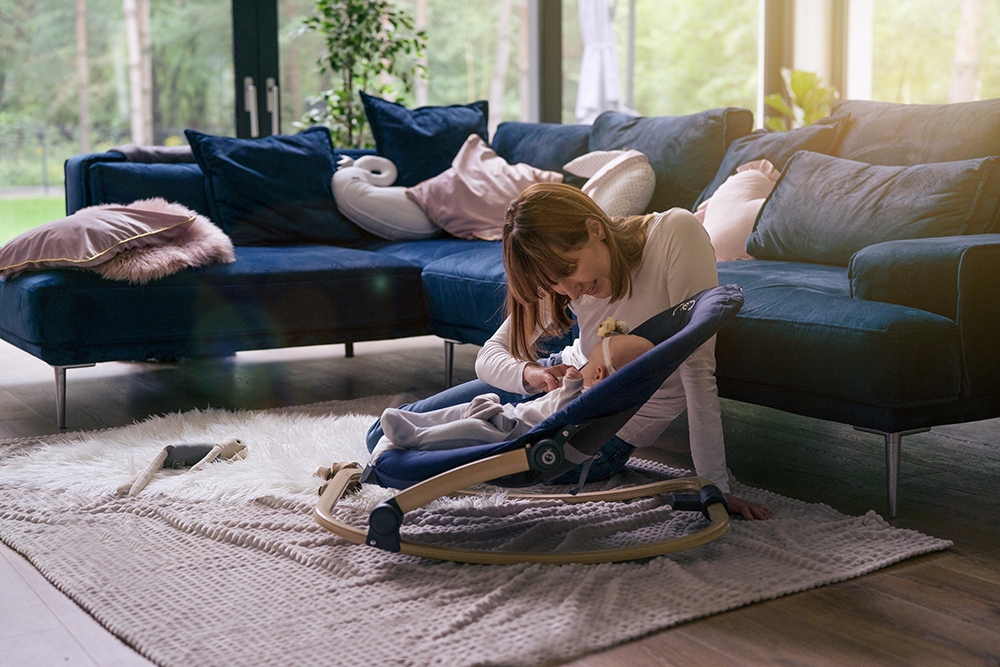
621,182
359,188
729,214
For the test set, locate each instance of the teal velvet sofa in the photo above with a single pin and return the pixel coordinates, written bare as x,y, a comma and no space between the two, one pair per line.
871,301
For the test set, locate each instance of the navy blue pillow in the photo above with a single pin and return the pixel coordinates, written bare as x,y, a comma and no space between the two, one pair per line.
775,147
888,133
824,209
543,145
423,142
684,151
274,190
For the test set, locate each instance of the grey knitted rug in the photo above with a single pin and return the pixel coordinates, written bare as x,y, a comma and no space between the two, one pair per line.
226,566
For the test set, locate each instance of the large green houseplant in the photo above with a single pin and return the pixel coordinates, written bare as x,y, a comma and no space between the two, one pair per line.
369,45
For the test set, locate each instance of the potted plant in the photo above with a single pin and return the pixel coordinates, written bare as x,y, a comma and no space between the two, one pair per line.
809,98
370,45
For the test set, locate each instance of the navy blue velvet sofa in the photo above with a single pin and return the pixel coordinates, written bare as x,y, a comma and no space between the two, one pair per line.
890,335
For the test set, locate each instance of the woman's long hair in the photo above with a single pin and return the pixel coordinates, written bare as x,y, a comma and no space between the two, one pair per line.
544,223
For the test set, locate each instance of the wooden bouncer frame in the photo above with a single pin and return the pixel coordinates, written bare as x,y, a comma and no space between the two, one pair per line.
346,477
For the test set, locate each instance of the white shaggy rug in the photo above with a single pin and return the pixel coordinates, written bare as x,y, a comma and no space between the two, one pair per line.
226,566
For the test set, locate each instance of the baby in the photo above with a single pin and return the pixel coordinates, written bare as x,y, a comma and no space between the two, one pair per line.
485,419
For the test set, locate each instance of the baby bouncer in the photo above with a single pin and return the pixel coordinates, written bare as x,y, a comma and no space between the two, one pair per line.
571,437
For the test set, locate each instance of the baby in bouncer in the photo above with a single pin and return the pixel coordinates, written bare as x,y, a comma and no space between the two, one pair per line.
485,419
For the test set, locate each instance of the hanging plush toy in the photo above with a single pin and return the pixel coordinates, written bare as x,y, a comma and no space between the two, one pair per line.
195,456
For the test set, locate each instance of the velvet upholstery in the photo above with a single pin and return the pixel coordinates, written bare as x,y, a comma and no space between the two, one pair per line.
465,294
684,151
824,209
801,330
274,190
547,146
270,297
422,142
953,277
775,147
888,133
126,182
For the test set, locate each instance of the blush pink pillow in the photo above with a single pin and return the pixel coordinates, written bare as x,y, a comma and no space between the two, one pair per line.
91,236
729,214
469,200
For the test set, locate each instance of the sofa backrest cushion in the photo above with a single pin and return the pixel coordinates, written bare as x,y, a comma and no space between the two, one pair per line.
824,209
422,142
274,190
126,182
777,148
901,134
684,151
546,146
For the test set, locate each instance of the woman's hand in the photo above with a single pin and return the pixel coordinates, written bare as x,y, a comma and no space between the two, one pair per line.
543,378
747,509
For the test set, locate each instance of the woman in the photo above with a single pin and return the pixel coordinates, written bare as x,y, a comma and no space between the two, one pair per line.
562,252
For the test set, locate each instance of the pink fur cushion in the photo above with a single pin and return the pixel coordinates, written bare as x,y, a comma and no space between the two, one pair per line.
729,214
469,200
120,242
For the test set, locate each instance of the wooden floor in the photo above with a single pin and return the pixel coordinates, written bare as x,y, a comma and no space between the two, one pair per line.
941,609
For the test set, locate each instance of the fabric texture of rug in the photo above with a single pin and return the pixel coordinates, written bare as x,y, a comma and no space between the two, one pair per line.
226,565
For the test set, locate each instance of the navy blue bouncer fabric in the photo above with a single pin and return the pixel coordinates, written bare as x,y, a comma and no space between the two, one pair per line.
676,333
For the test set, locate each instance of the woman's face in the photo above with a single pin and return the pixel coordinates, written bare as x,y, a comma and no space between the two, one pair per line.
592,275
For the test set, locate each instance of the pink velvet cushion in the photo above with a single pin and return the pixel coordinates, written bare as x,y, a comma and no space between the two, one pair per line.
96,235
729,214
469,199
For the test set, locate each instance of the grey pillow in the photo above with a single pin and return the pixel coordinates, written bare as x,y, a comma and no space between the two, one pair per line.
824,209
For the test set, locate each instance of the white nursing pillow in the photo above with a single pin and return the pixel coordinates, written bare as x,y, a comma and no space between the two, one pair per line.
381,171
621,182
365,195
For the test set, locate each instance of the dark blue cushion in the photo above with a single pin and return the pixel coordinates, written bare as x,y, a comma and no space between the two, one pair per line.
901,134
465,293
423,142
543,145
684,151
126,182
800,331
775,147
824,209
423,252
274,190
269,297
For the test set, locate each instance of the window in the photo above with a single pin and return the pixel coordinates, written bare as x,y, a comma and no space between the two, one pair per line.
687,56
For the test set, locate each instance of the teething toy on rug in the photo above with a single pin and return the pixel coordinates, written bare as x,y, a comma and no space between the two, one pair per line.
195,456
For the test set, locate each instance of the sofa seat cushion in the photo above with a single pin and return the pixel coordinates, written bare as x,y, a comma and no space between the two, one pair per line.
465,293
800,330
423,253
270,297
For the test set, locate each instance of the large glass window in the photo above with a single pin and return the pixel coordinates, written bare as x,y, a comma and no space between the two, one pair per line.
475,51
96,73
935,51
87,75
686,56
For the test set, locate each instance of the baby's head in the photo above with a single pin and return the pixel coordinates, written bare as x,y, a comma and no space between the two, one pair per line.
610,354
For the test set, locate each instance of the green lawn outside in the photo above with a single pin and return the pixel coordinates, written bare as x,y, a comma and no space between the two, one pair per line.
20,215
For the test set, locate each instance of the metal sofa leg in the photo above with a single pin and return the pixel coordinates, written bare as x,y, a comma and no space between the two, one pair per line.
61,392
449,360
348,350
892,448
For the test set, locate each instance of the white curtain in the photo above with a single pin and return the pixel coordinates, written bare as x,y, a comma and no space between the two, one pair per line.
600,89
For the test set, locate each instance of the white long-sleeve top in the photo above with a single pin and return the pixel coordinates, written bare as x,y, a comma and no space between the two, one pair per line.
678,261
